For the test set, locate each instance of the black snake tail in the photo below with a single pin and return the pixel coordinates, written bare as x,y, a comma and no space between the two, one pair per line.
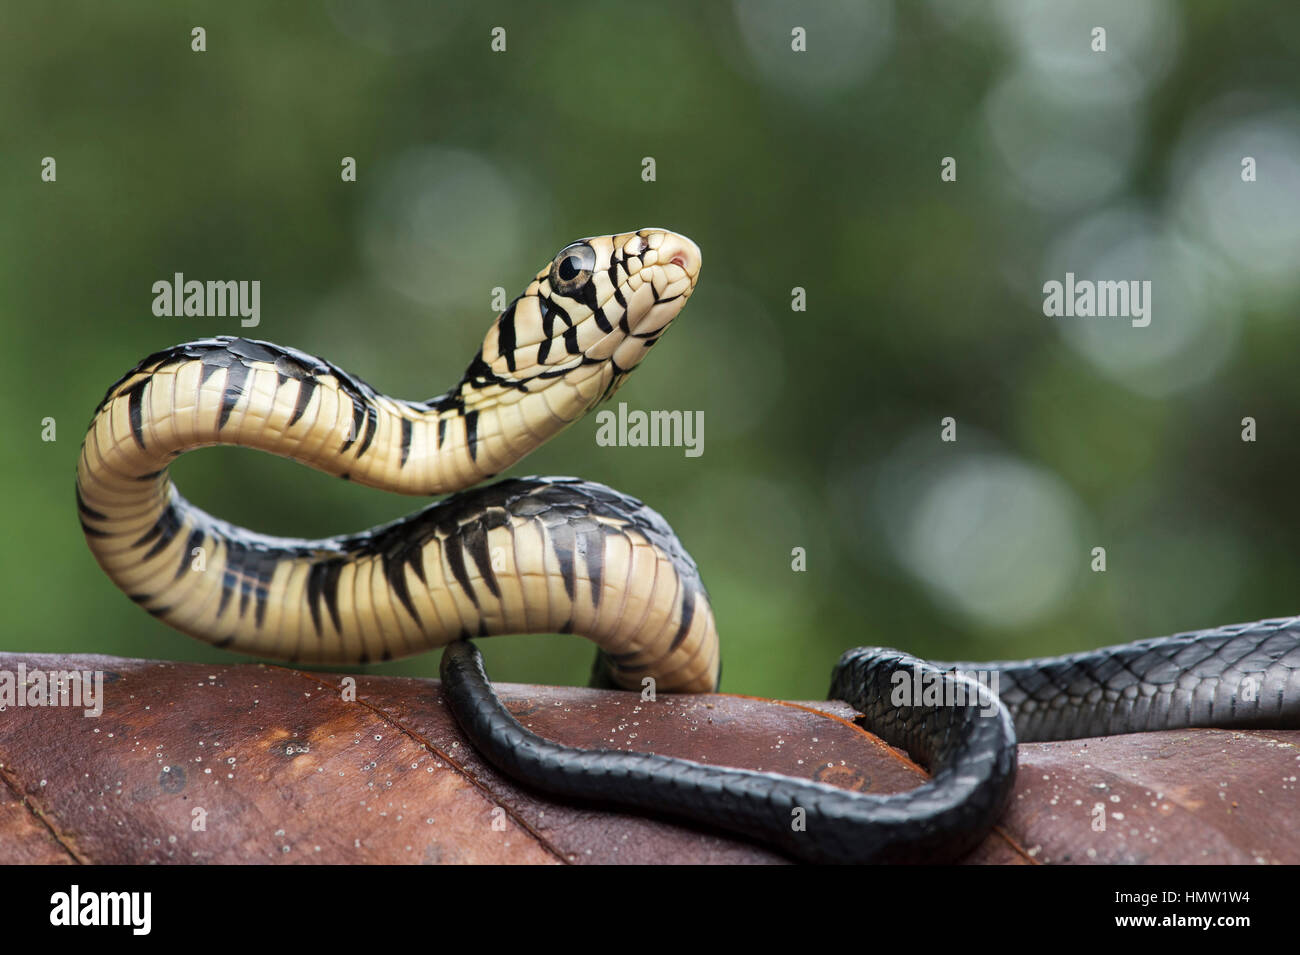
962,726
970,750
1240,676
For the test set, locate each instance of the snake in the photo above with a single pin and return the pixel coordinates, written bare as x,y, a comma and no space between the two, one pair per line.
564,555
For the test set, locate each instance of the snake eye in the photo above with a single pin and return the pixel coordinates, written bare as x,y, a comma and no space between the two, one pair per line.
572,268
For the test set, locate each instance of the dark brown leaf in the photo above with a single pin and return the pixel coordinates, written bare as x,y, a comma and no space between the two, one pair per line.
194,763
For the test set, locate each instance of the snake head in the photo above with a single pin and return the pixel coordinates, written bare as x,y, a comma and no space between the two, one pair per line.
590,316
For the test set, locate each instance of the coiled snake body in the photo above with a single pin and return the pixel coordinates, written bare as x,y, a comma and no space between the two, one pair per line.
544,555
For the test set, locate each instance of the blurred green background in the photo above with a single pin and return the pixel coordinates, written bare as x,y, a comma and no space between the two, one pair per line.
819,170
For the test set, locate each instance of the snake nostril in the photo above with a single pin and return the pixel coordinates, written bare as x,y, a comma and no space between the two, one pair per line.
678,260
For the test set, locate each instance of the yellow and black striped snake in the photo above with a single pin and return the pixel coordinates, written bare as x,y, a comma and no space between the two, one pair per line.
544,555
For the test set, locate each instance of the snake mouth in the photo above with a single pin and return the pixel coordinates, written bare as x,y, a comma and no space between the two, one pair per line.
677,251
676,260
668,273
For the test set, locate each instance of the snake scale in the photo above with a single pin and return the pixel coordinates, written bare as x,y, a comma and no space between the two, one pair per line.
556,554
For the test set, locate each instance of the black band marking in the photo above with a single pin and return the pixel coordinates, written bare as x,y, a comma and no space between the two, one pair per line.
456,560
88,511
195,540
471,434
406,441
323,581
563,543
688,614
135,409
395,573
506,336
306,387
372,425
474,539
591,547
92,532
358,416
165,527
236,375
